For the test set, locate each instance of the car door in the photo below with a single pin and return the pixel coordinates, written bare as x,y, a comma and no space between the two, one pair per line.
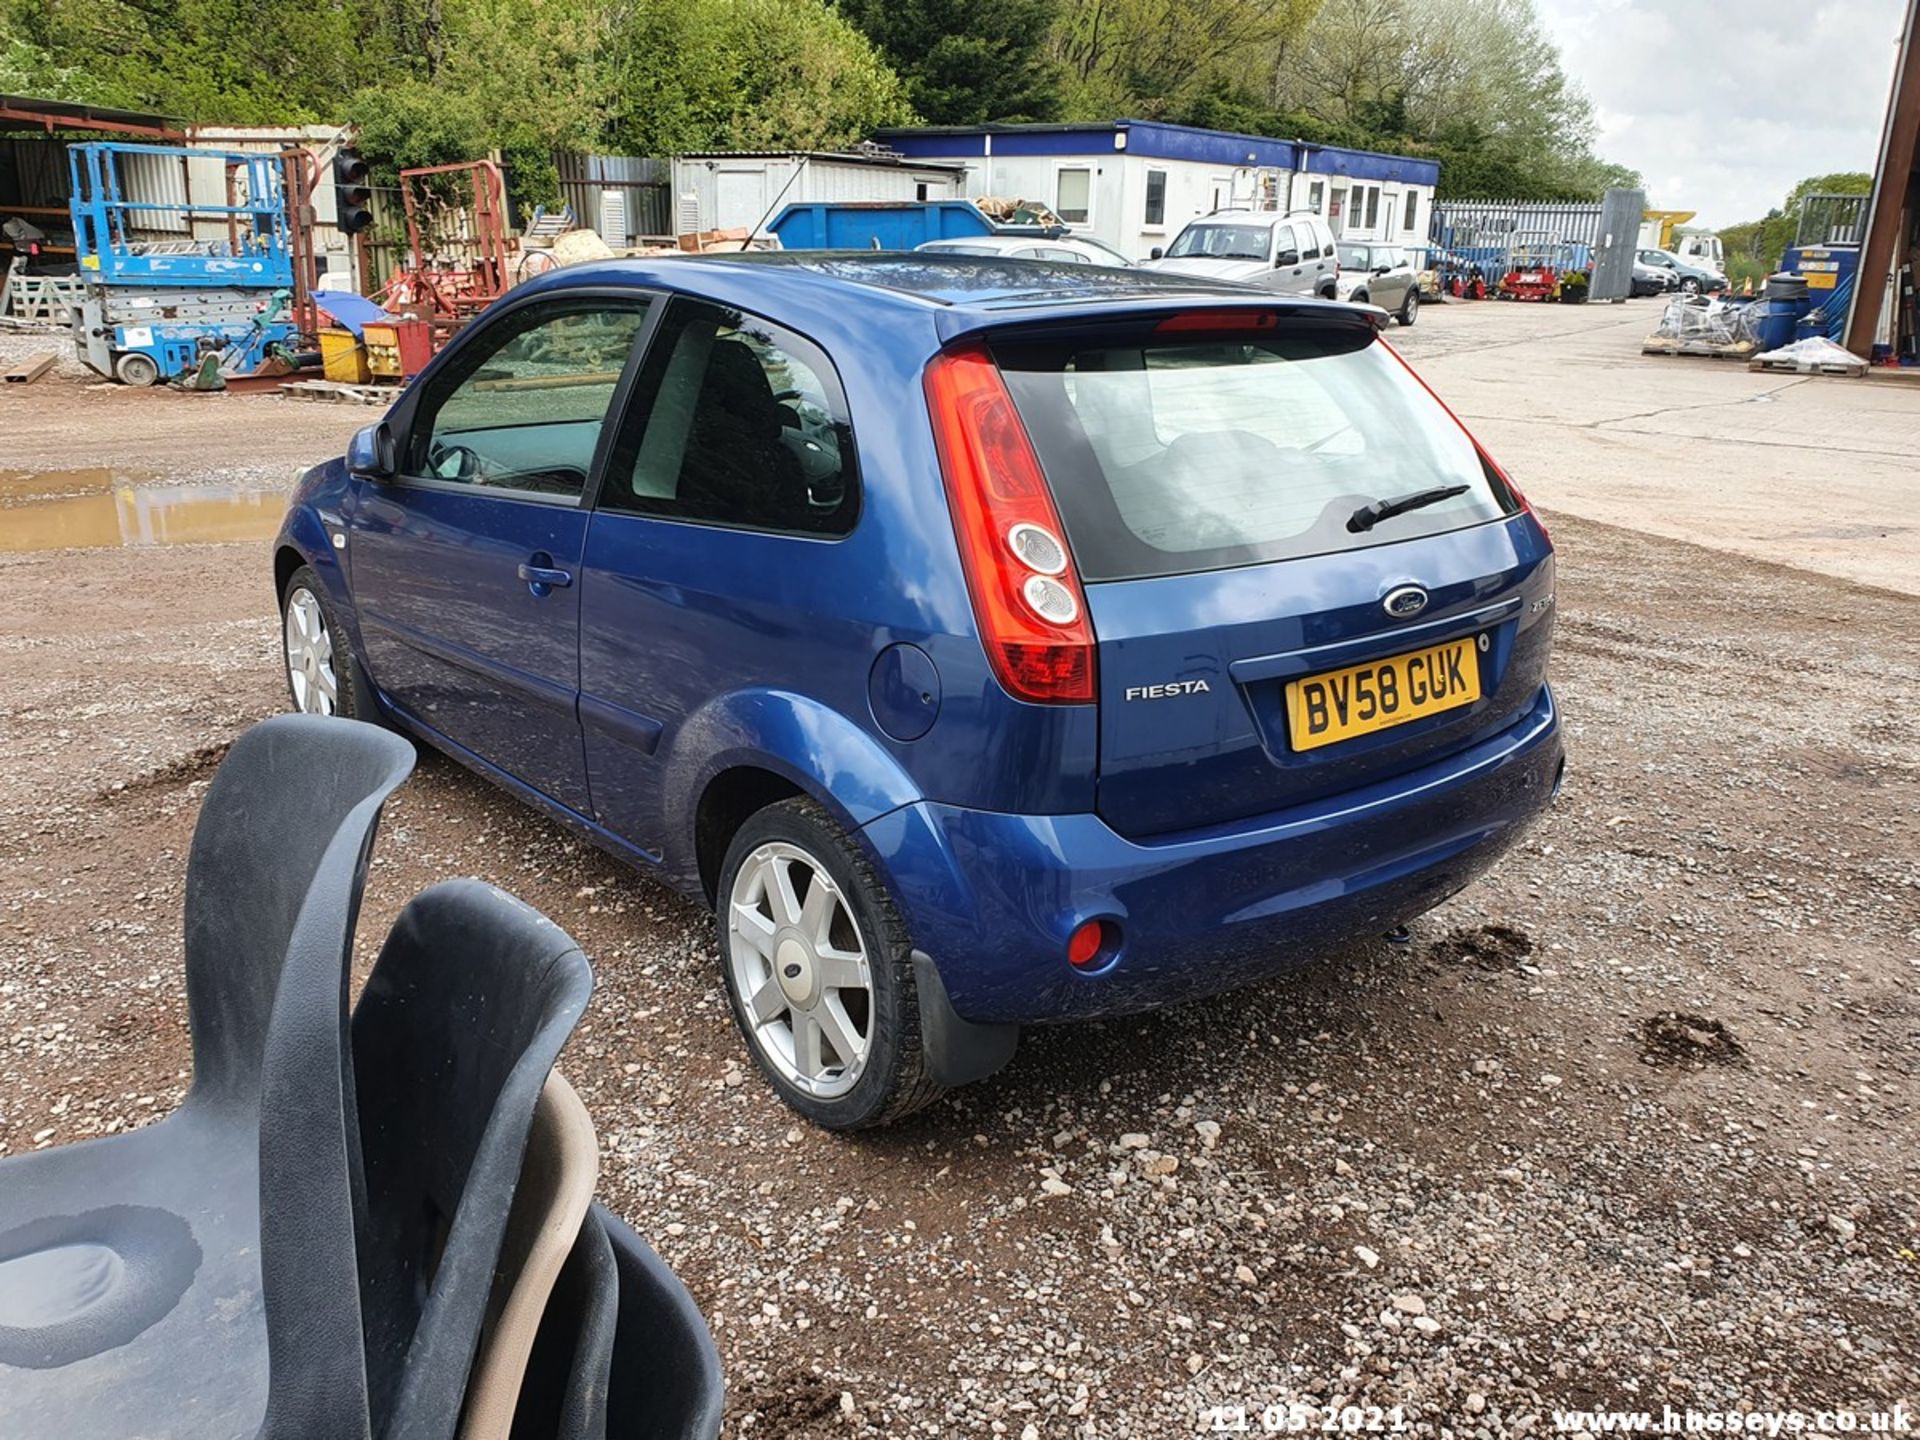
1290,275
710,566
464,563
1390,291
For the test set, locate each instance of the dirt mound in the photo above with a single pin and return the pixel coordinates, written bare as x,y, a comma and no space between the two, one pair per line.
792,1404
1484,947
1675,1037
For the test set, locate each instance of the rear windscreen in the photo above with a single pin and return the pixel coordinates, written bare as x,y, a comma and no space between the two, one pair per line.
1175,455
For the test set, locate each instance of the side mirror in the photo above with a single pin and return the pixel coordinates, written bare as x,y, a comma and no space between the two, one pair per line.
1286,258
1382,269
370,454
1156,253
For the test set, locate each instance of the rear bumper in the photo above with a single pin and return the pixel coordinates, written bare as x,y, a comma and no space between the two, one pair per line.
993,897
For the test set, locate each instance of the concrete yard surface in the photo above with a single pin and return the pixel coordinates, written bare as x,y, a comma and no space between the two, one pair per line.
1803,470
1630,1123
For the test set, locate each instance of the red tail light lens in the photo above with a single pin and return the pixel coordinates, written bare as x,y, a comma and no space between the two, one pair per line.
1219,320
1033,621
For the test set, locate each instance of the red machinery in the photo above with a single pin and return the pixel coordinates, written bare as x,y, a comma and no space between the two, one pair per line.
1534,269
457,244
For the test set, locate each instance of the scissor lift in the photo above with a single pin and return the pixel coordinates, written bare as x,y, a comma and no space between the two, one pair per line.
155,307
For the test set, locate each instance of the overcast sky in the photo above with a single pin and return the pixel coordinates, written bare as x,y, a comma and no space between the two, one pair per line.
1724,107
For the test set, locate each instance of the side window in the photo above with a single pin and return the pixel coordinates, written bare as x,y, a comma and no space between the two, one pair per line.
522,407
1286,246
1064,257
1156,212
1073,193
736,422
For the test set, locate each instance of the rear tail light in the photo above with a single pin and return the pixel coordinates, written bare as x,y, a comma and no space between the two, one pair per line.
1026,596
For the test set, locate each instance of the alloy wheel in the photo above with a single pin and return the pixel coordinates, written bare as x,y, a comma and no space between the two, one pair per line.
801,970
316,689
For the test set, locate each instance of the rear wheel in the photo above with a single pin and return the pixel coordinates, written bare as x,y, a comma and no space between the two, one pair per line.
818,968
1409,307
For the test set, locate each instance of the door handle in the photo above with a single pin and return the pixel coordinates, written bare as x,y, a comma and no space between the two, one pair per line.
541,579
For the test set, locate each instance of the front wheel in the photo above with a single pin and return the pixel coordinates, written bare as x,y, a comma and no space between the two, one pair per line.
1690,285
322,677
1409,308
819,971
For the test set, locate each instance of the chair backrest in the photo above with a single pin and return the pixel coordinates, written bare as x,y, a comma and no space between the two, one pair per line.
564,1393
623,1352
453,1039
290,814
556,1186
665,1381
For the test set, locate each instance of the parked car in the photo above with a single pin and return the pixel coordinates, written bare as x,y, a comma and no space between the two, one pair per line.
1291,254
983,653
1691,278
1379,275
1652,279
1064,249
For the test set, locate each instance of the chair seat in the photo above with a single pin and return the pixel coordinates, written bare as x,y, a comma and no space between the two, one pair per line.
153,1292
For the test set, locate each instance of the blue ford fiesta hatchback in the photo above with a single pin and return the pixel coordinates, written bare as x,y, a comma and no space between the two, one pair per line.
988,642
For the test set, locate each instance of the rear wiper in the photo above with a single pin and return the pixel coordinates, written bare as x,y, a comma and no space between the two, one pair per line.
1368,516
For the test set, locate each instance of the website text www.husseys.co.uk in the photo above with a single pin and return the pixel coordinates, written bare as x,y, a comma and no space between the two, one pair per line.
1669,1421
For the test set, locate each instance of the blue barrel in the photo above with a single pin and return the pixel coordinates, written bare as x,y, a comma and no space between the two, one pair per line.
1773,323
1777,318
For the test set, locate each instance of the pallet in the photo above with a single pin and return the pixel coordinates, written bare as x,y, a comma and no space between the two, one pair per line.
338,390
1734,350
30,369
50,299
1801,367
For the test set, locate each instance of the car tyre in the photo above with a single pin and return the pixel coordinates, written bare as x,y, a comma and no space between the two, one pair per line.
813,975
1690,285
1409,308
323,673
1359,297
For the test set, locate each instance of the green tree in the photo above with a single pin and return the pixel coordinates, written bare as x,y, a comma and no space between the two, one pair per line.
1160,59
1755,248
713,74
966,61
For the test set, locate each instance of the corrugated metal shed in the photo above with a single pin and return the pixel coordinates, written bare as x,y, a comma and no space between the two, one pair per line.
734,190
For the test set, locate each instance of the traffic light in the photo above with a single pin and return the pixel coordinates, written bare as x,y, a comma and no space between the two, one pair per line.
351,192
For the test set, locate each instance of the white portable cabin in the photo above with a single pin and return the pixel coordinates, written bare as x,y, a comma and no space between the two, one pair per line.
1135,183
740,189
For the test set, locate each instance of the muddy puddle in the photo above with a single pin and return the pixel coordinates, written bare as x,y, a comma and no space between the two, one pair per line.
101,508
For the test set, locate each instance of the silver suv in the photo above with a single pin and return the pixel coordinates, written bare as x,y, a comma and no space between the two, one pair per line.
1291,254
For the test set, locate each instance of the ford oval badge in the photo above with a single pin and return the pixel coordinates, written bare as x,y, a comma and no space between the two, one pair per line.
1405,602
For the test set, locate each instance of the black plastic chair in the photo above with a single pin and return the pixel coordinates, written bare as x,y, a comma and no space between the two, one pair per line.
624,1353
130,1267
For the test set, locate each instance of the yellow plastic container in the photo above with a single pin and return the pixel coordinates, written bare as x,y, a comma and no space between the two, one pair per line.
343,357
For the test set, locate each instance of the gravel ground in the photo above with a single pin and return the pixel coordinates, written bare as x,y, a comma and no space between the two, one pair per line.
1631,1122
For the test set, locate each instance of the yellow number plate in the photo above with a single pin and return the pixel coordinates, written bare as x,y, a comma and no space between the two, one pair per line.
1325,709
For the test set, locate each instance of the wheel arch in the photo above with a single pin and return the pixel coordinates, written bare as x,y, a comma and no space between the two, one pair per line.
763,746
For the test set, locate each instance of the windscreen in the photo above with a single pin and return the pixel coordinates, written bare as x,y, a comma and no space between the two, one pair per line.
1221,242
1173,455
